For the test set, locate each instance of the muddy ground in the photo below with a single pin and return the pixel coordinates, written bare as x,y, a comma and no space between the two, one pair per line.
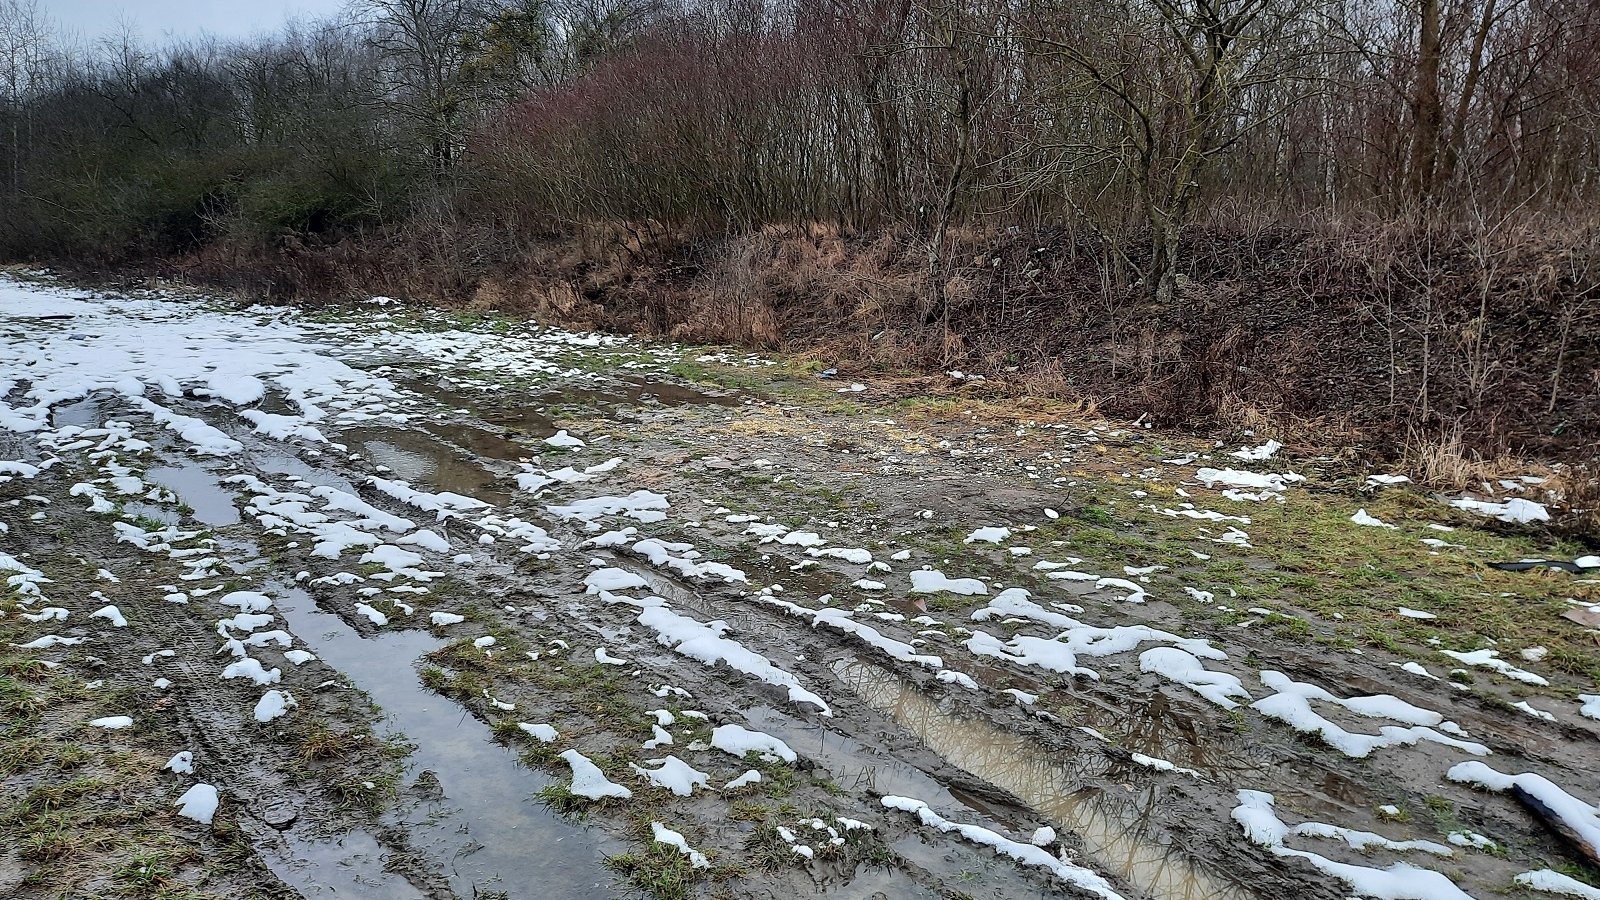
401,770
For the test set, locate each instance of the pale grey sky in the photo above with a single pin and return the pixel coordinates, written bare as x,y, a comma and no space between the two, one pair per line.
155,20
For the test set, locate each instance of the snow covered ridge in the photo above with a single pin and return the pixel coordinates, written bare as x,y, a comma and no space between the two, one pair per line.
1079,877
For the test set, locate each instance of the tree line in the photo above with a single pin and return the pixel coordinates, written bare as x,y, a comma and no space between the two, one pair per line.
1126,120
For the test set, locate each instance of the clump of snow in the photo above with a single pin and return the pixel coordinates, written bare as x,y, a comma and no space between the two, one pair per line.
182,763
1516,510
930,581
273,705
990,534
673,774
665,835
442,619
748,778
705,642
1552,882
540,732
1291,704
1255,814
1490,659
1590,708
589,782
198,803
612,579
1180,666
1084,879
1265,451
737,741
1582,818
1253,480
1362,517
112,722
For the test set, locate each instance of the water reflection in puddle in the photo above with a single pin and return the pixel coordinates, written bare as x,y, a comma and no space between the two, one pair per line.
349,866
1115,830
415,457
200,489
486,833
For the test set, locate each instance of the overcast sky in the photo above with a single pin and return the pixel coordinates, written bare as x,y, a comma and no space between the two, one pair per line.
155,20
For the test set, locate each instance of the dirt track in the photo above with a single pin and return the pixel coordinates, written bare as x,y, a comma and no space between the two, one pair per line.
794,513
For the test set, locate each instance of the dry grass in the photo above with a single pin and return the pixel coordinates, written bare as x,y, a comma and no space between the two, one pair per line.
1442,460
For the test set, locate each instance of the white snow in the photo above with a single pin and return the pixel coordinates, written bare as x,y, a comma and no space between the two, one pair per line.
251,668
1581,817
543,733
112,722
374,616
705,642
1180,666
182,763
737,740
749,777
1400,881
673,774
1590,708
1291,704
589,782
665,835
273,705
929,581
1362,517
1516,510
1084,879
1490,659
1236,478
1552,882
198,803
1265,451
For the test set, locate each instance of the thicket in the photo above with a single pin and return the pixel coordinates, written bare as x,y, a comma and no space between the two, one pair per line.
1375,212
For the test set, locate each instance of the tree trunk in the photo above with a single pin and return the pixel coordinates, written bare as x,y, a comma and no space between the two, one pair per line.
1426,109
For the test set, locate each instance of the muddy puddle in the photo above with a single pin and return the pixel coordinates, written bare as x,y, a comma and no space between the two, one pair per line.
532,417
425,462
482,825
285,464
478,441
1116,829
642,392
351,866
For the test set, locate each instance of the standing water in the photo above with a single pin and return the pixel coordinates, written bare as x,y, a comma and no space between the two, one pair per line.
487,832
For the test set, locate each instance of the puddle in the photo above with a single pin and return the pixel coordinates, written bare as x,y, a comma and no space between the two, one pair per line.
643,392
84,413
851,763
528,418
487,833
1115,829
284,464
423,461
349,866
151,511
478,441
200,489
